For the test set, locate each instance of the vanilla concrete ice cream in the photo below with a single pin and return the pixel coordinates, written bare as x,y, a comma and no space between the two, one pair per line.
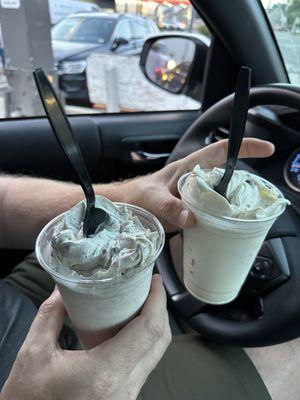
247,196
220,249
104,279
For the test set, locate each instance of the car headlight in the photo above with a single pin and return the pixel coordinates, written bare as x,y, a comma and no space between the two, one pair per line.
73,67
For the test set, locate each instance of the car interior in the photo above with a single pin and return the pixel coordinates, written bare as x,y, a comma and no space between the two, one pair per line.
265,317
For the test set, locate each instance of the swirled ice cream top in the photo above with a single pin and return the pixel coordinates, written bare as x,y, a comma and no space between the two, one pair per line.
247,197
122,245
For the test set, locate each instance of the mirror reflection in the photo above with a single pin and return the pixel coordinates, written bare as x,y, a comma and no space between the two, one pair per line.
169,61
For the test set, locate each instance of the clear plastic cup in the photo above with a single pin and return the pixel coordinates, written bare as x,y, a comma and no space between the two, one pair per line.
98,308
218,252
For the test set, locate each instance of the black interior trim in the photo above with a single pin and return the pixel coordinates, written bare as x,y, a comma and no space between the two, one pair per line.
28,146
219,63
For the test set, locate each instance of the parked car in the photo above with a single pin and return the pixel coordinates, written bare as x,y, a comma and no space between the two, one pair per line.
77,36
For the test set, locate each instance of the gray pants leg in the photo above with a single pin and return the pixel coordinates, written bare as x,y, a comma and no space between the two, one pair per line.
191,369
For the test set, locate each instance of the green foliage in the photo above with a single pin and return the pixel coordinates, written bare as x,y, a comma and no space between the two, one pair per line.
281,6
292,11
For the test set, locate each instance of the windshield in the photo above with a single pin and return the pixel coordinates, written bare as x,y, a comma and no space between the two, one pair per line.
284,16
83,29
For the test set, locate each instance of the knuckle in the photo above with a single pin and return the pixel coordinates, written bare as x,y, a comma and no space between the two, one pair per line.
165,206
106,385
28,352
186,165
154,330
224,146
47,307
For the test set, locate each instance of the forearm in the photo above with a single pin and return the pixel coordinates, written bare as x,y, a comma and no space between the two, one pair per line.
27,204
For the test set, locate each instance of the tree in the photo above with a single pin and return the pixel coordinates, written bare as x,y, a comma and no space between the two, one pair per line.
277,16
277,7
292,11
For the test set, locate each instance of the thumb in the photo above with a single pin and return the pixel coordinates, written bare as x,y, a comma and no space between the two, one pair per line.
173,211
48,322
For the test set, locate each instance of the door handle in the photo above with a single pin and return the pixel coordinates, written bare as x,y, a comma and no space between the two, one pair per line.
144,156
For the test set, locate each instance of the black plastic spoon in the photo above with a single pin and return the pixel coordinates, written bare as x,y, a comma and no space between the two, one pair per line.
237,127
94,217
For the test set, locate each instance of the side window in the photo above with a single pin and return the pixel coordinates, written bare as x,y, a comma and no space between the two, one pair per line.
140,30
123,31
90,71
284,17
152,27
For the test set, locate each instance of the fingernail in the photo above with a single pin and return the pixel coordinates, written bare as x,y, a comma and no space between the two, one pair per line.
183,217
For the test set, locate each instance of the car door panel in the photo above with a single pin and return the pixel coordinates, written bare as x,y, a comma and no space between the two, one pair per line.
28,146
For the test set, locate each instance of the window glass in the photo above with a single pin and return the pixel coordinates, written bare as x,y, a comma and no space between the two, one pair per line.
73,41
139,30
284,16
152,27
85,29
124,31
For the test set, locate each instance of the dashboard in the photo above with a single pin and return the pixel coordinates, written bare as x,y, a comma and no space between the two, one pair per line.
281,126
292,171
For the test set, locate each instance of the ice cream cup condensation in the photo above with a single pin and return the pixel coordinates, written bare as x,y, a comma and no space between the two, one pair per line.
98,308
218,252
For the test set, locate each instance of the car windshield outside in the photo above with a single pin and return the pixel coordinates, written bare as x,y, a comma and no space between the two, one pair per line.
83,29
90,51
284,16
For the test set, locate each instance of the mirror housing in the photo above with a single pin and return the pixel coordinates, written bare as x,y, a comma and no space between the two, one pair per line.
175,62
118,41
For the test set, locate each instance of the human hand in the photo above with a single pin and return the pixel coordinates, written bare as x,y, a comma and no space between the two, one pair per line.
114,370
158,192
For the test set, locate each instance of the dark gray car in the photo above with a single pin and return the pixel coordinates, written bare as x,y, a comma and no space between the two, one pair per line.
75,37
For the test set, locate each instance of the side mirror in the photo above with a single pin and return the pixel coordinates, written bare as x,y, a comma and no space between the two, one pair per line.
175,62
119,41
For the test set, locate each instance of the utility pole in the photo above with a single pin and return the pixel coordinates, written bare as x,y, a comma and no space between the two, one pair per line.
26,35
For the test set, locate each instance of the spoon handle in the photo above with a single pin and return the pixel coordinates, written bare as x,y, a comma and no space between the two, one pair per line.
237,126
63,132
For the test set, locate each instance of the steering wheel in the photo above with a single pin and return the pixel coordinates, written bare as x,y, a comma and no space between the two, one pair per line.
267,310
